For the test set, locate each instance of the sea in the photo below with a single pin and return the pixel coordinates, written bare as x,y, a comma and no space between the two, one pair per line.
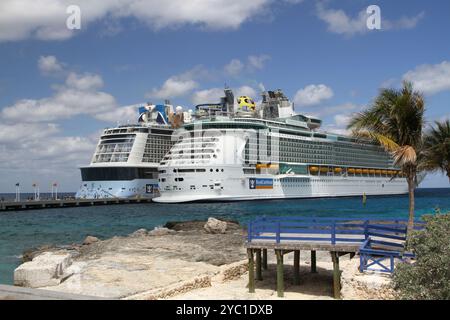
21,230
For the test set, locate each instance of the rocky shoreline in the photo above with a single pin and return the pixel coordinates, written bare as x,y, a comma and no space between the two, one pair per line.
205,259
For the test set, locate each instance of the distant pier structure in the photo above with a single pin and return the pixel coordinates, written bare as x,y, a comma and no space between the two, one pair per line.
66,203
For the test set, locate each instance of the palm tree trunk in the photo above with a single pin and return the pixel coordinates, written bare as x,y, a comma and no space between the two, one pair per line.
411,188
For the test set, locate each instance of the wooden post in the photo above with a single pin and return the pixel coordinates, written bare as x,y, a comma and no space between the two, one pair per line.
336,275
251,271
313,261
258,265
280,276
296,267
264,259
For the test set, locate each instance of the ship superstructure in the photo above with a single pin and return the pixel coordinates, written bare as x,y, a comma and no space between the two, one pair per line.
124,164
270,152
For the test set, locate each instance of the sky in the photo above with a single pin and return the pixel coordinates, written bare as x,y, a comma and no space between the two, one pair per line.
60,86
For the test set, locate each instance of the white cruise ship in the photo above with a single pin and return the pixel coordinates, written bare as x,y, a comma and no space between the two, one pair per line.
270,153
125,161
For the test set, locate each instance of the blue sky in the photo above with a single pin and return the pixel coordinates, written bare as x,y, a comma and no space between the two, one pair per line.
60,87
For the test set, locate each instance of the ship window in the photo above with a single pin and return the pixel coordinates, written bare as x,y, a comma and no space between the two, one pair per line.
200,170
117,173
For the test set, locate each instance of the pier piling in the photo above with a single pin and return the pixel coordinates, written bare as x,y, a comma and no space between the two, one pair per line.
264,259
251,271
280,275
313,261
296,267
336,275
258,265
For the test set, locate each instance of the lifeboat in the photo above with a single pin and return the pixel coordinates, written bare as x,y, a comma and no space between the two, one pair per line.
337,170
378,171
359,171
324,169
372,171
384,172
267,166
313,169
351,170
366,171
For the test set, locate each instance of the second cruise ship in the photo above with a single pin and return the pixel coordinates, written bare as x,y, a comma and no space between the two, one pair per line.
270,152
125,161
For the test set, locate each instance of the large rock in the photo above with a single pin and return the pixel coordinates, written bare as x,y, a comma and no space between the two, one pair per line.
44,270
215,226
90,240
139,233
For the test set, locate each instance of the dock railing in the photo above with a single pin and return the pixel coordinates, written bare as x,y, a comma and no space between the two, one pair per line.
378,238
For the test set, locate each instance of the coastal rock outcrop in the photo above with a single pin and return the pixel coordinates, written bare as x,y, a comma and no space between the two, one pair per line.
46,269
161,262
90,240
215,226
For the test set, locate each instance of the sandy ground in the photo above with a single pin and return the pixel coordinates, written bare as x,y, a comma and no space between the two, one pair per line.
313,286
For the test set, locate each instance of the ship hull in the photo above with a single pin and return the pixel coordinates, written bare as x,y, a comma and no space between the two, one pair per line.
229,187
137,188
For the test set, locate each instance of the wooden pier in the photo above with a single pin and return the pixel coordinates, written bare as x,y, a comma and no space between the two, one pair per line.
338,236
65,203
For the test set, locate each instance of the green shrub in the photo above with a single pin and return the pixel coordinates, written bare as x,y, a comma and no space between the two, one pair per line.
429,276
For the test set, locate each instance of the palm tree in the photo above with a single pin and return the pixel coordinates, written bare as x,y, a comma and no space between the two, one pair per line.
395,120
437,148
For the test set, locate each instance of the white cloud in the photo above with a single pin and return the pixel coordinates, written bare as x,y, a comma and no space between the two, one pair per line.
78,96
257,62
207,96
313,95
430,79
213,95
173,87
49,65
246,91
234,68
338,21
254,63
46,19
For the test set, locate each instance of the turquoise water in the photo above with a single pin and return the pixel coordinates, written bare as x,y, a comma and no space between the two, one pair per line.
25,229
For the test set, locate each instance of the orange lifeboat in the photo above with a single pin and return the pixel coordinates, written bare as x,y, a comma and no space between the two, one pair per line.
337,170
359,171
372,171
378,171
313,169
324,169
366,171
351,170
